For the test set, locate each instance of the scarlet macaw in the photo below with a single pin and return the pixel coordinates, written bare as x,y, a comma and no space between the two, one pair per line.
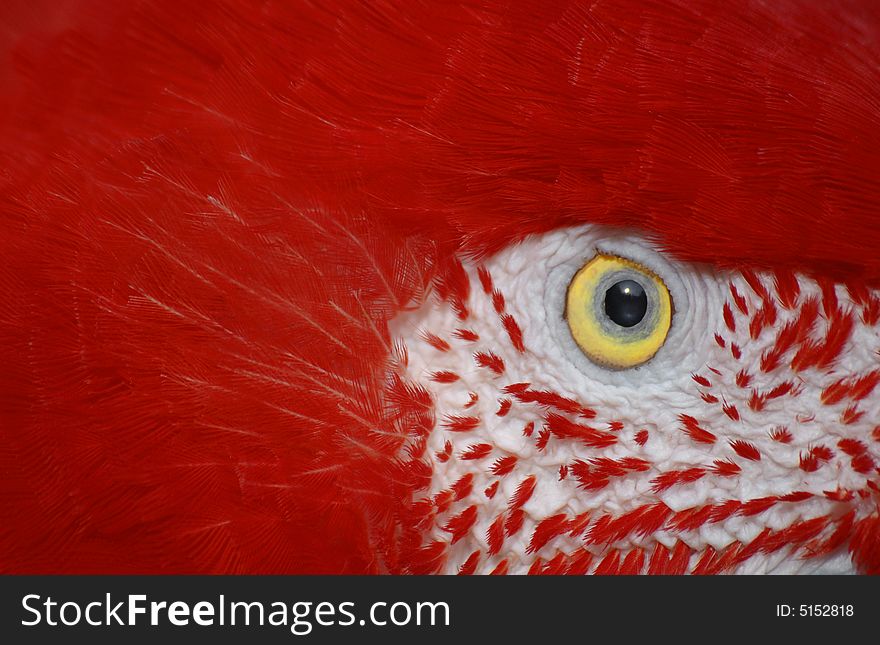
416,287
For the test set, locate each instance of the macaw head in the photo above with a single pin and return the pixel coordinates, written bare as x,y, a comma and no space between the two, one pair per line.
476,287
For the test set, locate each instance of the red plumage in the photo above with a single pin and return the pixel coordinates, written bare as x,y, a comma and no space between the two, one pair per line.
210,213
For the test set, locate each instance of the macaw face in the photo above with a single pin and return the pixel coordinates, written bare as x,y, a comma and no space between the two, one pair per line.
244,328
744,438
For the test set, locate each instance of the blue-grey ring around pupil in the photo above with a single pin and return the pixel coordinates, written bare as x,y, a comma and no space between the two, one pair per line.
649,318
626,303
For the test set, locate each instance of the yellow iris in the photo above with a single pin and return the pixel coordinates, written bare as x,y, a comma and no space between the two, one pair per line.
591,315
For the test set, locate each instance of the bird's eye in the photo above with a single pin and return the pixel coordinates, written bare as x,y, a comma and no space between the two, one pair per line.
618,311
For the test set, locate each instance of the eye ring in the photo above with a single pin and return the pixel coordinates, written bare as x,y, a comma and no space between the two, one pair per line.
605,316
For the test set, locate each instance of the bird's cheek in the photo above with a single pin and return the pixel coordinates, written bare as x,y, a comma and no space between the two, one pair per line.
759,400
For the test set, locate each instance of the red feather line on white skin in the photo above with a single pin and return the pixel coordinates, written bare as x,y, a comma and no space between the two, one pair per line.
773,466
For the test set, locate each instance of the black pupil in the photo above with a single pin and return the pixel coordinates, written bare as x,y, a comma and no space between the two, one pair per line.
626,303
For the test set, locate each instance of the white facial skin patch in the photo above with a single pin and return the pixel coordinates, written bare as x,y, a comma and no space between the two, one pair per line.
749,443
